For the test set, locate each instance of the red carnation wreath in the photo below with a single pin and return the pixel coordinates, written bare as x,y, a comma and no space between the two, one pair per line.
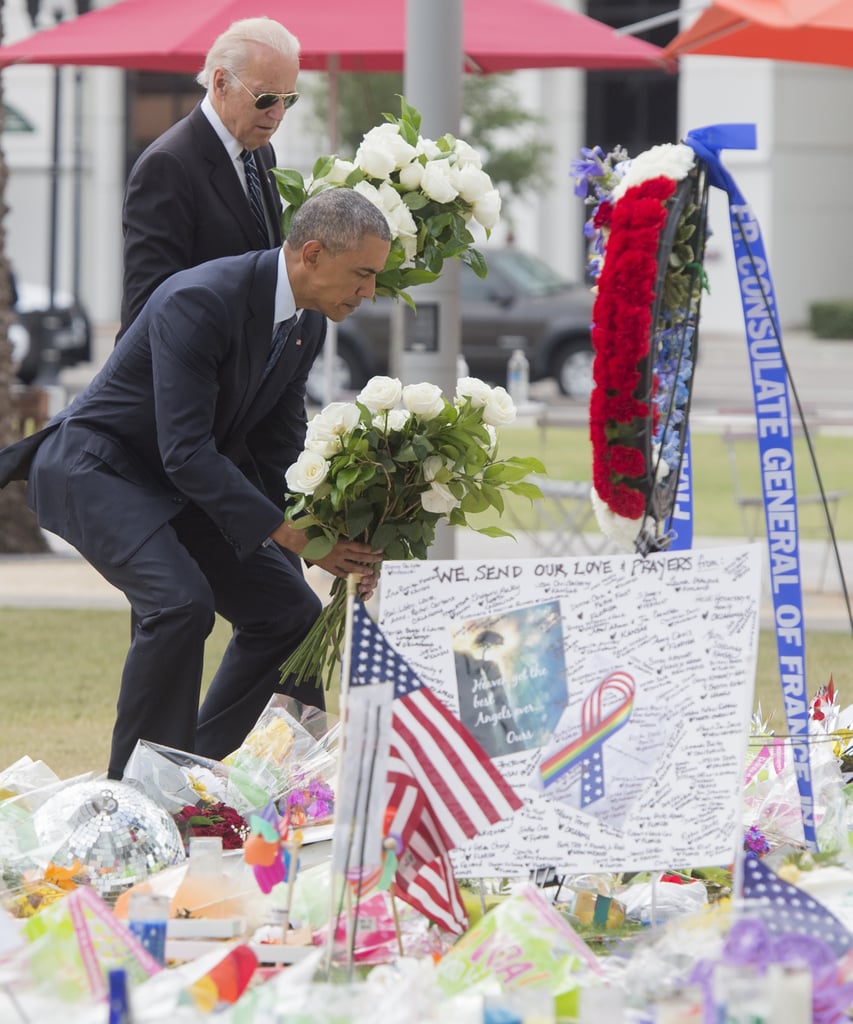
648,232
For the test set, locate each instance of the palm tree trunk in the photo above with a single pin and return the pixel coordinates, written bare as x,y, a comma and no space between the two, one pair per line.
19,532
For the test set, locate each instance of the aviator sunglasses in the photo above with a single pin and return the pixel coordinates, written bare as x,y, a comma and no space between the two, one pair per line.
269,99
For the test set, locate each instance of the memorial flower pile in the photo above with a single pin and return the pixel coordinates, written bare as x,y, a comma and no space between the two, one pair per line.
641,312
376,472
429,190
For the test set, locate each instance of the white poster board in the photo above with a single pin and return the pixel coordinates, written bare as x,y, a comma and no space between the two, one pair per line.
613,692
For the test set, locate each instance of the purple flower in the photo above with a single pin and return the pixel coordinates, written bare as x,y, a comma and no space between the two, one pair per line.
754,842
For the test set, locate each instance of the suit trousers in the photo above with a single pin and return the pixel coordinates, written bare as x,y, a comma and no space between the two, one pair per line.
183,574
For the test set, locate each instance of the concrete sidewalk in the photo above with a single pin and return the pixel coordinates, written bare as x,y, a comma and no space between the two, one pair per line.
62,579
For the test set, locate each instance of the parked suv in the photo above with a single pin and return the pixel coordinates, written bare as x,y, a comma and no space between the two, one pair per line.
45,339
522,303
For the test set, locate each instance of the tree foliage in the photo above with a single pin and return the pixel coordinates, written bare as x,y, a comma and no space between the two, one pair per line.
509,137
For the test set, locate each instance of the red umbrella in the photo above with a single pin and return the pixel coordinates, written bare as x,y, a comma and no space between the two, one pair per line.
810,31
174,35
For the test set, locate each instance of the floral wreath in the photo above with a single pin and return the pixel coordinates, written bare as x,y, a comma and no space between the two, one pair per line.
647,238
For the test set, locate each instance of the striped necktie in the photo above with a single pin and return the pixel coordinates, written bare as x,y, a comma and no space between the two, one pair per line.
253,187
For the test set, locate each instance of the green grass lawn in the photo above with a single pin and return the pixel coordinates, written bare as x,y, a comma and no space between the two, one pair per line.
60,670
566,454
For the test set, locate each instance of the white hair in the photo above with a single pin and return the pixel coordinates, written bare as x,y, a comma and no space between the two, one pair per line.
231,49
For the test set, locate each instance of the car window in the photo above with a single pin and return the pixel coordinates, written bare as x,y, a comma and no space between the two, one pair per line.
473,288
527,273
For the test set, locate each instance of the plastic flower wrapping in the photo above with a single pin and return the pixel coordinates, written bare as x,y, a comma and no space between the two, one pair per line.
429,190
292,753
645,322
288,760
376,472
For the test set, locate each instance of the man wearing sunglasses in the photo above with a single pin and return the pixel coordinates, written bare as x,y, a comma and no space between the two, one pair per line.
189,195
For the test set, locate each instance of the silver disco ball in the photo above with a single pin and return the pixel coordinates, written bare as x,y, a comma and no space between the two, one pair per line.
117,834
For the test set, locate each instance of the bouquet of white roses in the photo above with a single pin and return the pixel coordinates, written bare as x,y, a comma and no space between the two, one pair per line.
374,472
428,190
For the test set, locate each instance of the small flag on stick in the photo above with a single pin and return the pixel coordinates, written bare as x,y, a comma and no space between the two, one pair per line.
440,780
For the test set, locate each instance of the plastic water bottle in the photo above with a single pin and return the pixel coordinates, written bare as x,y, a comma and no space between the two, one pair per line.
518,377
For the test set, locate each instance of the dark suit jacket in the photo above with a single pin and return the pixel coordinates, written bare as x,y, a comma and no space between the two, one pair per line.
179,413
184,204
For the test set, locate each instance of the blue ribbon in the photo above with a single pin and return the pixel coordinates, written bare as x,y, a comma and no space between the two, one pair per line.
679,525
775,446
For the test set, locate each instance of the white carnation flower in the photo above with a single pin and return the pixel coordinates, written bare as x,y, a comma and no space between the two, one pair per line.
423,400
380,393
475,389
487,209
437,182
499,409
671,160
438,499
306,474
621,530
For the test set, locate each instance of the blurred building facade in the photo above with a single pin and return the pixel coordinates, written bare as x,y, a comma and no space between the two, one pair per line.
792,180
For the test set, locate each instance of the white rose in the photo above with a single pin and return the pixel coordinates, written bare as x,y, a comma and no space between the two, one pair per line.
487,209
326,429
466,154
499,409
380,393
306,474
671,160
382,151
475,389
423,400
321,440
427,148
437,182
493,438
393,419
411,174
432,466
370,192
473,184
438,499
338,173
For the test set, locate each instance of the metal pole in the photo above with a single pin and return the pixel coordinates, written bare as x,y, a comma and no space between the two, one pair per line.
432,83
78,184
54,186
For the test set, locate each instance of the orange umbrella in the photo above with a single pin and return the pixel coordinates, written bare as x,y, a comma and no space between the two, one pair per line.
808,31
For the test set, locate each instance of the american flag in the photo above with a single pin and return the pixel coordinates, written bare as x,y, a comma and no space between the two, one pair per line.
441,782
785,908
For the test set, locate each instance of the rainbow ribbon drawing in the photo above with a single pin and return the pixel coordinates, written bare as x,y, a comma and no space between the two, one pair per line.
596,730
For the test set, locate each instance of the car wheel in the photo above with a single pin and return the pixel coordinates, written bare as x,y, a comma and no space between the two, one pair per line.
572,368
347,375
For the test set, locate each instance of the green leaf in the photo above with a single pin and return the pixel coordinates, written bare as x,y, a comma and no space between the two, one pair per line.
526,490
477,262
317,548
415,200
322,166
530,463
493,531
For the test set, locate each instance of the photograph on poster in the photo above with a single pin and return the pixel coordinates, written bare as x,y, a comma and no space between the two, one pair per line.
614,693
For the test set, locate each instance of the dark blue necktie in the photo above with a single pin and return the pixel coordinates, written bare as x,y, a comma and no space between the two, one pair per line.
253,188
279,338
